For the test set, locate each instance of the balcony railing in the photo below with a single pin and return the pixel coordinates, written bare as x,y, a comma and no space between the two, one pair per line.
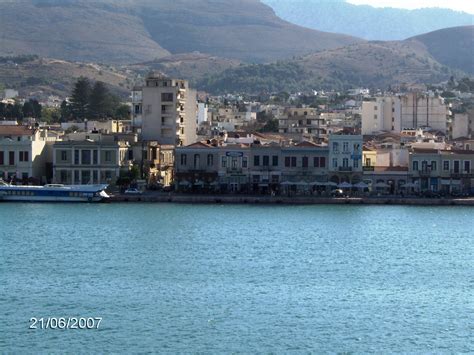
234,170
462,173
345,168
424,172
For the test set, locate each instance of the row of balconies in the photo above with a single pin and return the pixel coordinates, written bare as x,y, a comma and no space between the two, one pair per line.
454,173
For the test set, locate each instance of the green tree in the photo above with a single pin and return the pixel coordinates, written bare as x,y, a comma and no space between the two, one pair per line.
80,98
51,114
32,108
270,126
122,112
99,101
65,111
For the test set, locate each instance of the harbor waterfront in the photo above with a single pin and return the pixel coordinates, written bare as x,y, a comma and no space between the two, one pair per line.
291,200
218,278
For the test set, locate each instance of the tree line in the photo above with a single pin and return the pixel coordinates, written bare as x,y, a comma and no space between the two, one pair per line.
95,101
87,101
17,111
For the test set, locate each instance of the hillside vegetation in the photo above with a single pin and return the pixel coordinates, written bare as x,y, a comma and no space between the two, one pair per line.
126,31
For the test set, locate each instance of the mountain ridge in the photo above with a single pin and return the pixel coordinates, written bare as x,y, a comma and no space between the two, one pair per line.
366,21
124,31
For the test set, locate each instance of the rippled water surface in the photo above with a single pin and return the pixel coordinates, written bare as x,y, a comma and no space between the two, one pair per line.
213,279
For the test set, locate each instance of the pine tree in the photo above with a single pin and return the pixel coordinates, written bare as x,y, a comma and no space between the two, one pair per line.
80,98
100,105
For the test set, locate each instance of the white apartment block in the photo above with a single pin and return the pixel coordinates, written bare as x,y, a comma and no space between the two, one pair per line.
167,112
409,111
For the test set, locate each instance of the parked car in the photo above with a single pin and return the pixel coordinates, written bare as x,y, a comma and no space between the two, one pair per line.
133,191
337,193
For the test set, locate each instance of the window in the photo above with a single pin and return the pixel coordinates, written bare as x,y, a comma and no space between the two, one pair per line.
63,155
335,147
63,176
355,163
11,158
316,162
305,162
95,176
456,166
345,163
345,147
163,109
334,162
415,165
266,160
23,156
434,167
368,162
197,161
85,157
137,109
76,157
1,158
108,156
210,160
244,162
95,156
183,158
256,160
108,175
287,162
308,122
467,166
322,162
293,162
167,96
76,176
275,160
224,161
356,148
446,165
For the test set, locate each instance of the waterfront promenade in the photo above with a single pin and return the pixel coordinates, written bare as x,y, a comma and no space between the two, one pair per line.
290,200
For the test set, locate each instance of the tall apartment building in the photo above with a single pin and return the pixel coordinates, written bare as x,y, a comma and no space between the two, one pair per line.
409,111
382,114
165,110
300,120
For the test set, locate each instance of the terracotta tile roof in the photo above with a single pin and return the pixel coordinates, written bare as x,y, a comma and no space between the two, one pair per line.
16,131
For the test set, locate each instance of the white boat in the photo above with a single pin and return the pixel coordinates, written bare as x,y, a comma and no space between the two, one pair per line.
53,193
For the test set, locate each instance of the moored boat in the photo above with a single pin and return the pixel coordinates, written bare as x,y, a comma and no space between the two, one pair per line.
53,193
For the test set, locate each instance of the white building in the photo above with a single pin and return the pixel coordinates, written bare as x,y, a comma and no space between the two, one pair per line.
202,113
24,152
459,126
345,154
168,111
10,94
410,111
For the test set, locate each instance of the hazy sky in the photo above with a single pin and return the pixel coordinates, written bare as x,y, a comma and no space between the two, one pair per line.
461,5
